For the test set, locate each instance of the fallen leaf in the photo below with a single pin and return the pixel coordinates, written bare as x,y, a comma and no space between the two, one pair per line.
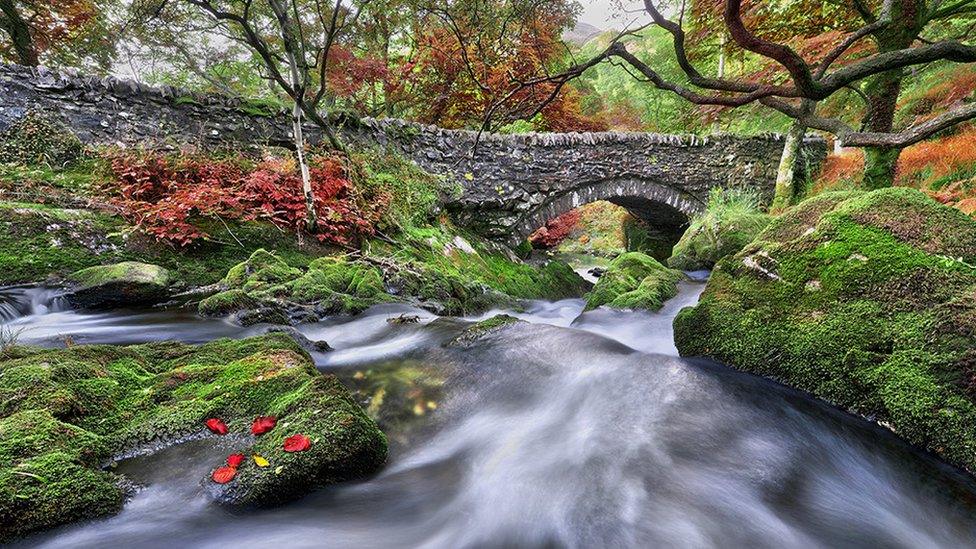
279,469
223,475
217,426
263,424
260,461
235,460
297,443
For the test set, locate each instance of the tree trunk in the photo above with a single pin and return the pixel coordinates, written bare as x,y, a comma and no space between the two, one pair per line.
879,163
311,217
786,175
19,31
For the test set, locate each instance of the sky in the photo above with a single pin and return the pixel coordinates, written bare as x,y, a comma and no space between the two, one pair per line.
604,14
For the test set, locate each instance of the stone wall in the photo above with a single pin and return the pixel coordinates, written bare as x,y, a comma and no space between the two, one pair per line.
509,184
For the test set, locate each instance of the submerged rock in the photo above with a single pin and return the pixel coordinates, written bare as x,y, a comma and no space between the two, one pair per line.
866,300
634,281
482,329
119,285
64,412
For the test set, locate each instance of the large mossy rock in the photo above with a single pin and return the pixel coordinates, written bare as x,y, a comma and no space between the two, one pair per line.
634,281
866,300
65,412
714,235
119,285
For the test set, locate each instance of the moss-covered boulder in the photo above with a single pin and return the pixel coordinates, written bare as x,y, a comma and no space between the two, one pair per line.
64,412
118,285
634,281
718,232
866,300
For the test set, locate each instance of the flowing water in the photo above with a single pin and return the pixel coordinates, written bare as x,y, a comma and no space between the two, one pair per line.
577,430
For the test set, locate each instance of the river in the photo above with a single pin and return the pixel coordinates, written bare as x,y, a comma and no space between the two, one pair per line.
576,430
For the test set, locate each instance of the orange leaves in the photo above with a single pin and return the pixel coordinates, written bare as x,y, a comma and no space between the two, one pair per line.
217,426
262,424
297,443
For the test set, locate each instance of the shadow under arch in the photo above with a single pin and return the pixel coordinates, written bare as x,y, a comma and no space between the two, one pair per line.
665,210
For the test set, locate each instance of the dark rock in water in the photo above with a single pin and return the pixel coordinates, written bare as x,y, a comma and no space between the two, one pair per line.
865,299
265,314
597,271
481,329
403,319
119,285
300,338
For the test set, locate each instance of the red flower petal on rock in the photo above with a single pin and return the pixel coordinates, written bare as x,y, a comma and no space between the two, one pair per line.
297,443
235,460
263,424
217,426
223,475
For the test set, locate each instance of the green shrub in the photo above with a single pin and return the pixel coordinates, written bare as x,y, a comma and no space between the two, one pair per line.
39,138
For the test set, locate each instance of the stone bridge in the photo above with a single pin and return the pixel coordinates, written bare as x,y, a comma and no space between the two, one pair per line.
508,185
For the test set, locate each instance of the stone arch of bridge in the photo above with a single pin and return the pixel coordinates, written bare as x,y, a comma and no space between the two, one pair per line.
664,209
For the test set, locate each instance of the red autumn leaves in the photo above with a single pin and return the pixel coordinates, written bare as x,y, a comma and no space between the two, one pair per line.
263,424
297,443
260,426
217,426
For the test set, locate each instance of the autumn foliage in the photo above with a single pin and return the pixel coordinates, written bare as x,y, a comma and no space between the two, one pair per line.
165,196
555,231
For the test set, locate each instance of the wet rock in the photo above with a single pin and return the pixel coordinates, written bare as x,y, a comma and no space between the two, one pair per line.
319,346
122,284
482,329
66,412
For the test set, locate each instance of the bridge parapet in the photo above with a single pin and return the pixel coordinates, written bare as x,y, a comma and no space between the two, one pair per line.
510,184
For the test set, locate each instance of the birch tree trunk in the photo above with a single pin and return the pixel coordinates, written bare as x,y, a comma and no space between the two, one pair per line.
786,175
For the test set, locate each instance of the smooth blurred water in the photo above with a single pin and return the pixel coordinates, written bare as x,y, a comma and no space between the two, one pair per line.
578,430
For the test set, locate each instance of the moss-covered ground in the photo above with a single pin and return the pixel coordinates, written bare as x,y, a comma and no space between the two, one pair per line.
866,300
65,412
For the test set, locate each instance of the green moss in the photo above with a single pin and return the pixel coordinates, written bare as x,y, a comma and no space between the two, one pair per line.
228,302
865,300
348,286
63,412
127,271
260,270
39,241
411,192
634,281
730,221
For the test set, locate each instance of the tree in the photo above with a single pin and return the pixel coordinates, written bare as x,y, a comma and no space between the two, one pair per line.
898,39
64,32
292,41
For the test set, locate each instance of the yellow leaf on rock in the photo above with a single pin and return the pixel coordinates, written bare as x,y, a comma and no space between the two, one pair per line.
260,461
